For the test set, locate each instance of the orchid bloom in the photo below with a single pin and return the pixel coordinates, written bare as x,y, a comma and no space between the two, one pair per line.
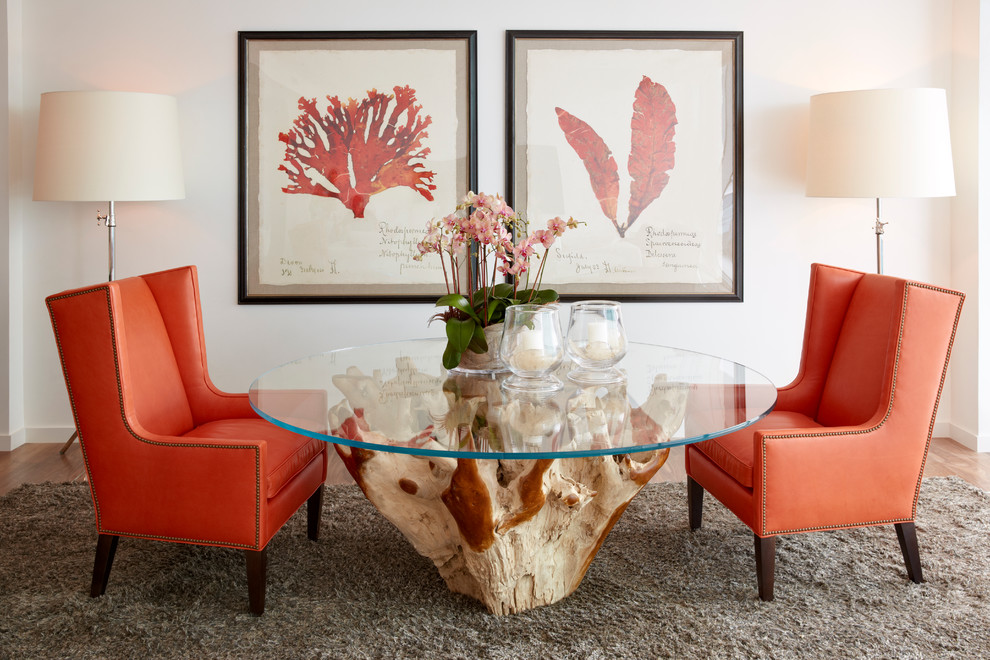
490,223
544,237
557,226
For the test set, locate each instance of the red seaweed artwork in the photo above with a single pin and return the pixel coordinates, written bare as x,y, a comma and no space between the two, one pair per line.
597,158
651,157
358,149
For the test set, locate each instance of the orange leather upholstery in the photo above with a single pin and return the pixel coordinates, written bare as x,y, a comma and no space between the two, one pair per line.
170,457
846,444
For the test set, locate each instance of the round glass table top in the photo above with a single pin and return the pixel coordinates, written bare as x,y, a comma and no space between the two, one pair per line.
397,397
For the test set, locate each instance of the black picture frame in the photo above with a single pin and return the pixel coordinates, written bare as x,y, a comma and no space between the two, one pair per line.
568,97
391,117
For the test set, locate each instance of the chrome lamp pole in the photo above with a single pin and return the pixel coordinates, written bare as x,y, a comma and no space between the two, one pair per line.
879,230
110,221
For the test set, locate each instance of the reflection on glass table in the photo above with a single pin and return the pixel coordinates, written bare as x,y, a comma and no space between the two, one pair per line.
509,492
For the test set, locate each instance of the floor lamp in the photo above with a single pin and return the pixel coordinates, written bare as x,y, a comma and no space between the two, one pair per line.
880,143
107,147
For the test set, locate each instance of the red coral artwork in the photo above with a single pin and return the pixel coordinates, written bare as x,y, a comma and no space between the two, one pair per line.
358,149
651,157
597,158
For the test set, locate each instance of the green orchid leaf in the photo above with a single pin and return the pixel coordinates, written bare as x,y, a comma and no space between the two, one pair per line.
479,297
503,290
524,296
496,311
451,357
459,333
479,343
546,296
541,297
458,302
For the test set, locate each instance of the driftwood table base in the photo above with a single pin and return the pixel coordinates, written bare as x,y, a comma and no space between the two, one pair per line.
515,534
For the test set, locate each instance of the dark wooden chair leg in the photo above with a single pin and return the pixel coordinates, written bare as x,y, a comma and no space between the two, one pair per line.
908,538
68,443
257,569
314,509
106,547
766,551
696,500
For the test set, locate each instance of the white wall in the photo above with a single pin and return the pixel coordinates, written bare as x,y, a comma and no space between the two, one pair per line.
12,432
977,435
188,48
970,422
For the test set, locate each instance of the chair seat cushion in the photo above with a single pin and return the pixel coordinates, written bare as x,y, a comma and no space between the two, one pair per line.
734,452
288,453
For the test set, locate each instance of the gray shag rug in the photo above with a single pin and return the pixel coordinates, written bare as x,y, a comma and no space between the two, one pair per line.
656,590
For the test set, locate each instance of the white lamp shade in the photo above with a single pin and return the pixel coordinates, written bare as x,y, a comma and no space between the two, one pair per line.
108,146
880,143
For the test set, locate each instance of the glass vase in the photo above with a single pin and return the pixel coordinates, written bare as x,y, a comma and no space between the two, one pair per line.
596,341
486,365
532,348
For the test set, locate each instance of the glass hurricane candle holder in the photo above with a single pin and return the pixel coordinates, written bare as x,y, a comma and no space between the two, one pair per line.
596,341
532,347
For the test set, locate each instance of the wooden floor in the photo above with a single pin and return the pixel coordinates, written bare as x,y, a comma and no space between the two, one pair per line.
37,463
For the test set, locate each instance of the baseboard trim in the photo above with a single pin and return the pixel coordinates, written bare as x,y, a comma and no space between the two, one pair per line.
966,438
49,434
43,435
12,442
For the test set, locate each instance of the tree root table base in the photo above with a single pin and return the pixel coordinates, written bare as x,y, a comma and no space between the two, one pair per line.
514,534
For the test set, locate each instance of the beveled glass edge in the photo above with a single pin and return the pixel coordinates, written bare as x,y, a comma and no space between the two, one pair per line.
501,455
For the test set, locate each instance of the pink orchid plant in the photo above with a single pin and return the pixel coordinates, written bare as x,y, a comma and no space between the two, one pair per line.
487,228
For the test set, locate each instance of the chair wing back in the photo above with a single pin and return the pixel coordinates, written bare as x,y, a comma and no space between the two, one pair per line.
176,293
864,356
153,391
920,362
829,294
85,333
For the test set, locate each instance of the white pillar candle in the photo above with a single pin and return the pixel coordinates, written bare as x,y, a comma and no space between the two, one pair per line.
531,340
598,332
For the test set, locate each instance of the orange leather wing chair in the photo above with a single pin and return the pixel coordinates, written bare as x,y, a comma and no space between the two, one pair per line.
169,457
846,443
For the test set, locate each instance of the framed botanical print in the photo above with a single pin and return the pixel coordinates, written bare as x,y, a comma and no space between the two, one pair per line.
349,143
639,136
